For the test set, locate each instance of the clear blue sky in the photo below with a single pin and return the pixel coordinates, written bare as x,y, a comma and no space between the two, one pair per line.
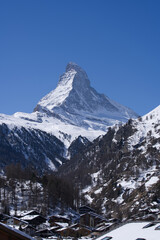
117,42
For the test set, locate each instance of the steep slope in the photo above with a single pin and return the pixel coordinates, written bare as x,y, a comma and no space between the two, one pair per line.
119,172
74,108
30,147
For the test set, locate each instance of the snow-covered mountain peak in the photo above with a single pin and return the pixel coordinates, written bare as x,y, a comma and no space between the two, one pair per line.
75,78
74,101
74,108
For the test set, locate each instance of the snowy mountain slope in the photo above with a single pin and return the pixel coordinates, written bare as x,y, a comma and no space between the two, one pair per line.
74,108
121,170
62,130
147,127
30,147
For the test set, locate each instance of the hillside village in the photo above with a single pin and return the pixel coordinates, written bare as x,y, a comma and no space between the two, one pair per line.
85,223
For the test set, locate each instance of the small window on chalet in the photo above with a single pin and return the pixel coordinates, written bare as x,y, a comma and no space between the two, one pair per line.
140,239
149,225
106,238
158,227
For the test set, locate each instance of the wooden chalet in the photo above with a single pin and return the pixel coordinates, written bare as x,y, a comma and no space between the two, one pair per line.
103,227
8,233
75,230
28,229
81,230
91,219
65,232
45,233
34,220
58,218
13,221
85,209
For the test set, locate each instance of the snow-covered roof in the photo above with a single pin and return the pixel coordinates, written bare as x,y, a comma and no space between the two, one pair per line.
132,231
59,216
62,229
62,224
30,212
29,217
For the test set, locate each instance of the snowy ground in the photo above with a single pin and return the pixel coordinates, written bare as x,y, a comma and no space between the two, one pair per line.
132,231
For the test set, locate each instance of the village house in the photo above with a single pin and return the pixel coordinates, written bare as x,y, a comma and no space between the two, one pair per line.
13,221
58,218
47,232
103,227
8,233
81,230
28,229
34,220
91,219
75,230
85,209
65,232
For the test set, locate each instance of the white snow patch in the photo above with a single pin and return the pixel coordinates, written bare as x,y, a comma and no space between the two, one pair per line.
98,190
130,184
87,189
151,181
90,200
50,164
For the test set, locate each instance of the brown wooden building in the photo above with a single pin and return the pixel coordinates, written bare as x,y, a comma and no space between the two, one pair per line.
85,209
34,220
13,221
91,219
8,233
75,230
58,218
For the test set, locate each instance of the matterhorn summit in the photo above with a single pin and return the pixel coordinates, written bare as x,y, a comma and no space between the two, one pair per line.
74,108
76,102
43,138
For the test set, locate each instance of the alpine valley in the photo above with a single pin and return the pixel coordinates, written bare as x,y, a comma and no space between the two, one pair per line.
106,150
